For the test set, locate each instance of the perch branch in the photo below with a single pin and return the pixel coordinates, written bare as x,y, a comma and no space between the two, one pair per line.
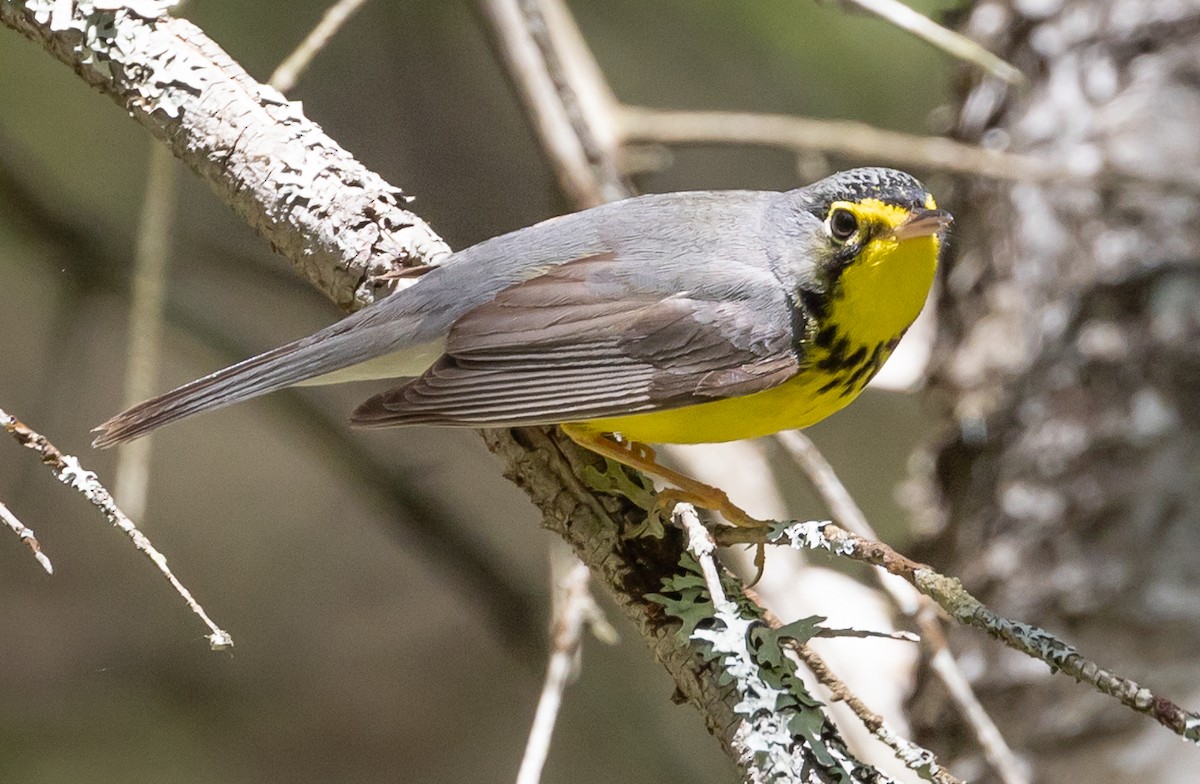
848,514
774,701
340,224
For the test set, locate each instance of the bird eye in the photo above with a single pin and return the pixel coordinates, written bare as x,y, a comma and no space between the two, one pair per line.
842,225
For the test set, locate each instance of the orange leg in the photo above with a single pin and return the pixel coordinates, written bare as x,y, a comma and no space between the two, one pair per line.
686,489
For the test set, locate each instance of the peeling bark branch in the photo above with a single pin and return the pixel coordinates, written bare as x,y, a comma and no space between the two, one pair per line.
339,223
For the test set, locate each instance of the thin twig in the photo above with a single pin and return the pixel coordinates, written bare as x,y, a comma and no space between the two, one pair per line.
702,546
918,759
25,534
146,320
582,91
574,611
828,633
995,748
295,64
954,44
848,514
951,596
843,507
859,141
588,88
66,469
550,123
584,163
853,140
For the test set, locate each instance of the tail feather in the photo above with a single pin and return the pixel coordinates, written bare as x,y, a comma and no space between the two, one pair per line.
326,351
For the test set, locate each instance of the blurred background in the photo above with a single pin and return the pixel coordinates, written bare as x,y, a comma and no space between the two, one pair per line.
387,591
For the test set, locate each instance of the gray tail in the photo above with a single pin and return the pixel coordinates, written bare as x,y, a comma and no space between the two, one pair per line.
331,349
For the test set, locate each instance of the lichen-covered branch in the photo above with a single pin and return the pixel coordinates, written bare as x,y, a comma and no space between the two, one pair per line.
786,734
951,596
920,609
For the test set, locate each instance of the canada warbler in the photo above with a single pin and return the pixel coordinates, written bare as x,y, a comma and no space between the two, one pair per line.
667,318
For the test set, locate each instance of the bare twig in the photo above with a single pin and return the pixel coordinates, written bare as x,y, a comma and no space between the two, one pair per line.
844,509
858,141
581,83
948,41
951,596
66,469
853,140
996,750
575,609
146,320
702,546
25,534
585,166
295,64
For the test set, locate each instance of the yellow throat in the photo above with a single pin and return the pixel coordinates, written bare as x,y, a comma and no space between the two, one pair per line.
881,292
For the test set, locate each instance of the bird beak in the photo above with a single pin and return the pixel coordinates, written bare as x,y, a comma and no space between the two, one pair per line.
923,223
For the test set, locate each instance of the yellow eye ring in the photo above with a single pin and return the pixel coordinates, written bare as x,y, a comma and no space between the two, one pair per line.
843,224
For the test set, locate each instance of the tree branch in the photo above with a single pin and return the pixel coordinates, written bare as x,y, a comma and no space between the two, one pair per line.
951,596
338,223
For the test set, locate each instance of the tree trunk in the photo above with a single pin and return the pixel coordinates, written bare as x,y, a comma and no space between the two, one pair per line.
1068,493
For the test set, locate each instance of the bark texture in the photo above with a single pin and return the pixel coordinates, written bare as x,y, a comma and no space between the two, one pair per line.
1068,493
339,223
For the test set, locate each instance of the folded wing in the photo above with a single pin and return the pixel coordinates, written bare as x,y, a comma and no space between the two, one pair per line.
593,339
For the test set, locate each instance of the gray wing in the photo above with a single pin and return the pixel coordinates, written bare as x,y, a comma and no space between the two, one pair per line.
592,339
666,229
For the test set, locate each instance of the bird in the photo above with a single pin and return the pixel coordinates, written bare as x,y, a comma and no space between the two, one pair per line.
674,318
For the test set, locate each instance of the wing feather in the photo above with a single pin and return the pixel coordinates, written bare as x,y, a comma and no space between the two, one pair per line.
591,339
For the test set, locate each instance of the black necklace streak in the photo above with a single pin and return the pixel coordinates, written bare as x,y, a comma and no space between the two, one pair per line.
851,372
849,365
